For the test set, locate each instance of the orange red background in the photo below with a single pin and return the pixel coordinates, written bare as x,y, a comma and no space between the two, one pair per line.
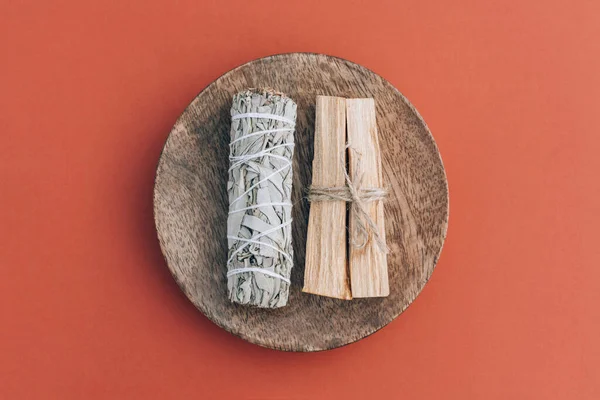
88,93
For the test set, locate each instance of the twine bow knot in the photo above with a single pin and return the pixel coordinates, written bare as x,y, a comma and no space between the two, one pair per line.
357,196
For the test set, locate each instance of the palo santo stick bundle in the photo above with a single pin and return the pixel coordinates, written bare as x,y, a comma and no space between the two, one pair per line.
326,261
326,266
259,234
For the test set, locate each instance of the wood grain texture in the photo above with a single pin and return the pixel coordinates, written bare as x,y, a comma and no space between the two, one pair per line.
325,271
190,203
368,264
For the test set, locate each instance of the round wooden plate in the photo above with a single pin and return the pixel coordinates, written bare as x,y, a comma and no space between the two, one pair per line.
190,203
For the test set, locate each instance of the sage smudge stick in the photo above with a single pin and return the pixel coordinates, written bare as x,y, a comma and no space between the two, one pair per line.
259,233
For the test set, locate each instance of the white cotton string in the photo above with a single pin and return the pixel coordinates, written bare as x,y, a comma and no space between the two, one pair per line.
260,153
241,159
267,152
259,206
259,133
283,253
261,270
259,182
253,239
265,116
245,159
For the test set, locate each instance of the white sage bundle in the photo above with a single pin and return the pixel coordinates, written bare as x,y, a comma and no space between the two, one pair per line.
259,232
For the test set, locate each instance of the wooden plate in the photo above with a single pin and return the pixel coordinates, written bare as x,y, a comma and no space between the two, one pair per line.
190,203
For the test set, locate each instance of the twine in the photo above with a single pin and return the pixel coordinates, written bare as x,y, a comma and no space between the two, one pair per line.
357,196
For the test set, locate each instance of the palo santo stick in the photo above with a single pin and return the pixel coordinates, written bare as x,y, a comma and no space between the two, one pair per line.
368,265
325,271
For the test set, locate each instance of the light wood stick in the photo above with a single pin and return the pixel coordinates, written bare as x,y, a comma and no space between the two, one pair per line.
368,265
326,271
